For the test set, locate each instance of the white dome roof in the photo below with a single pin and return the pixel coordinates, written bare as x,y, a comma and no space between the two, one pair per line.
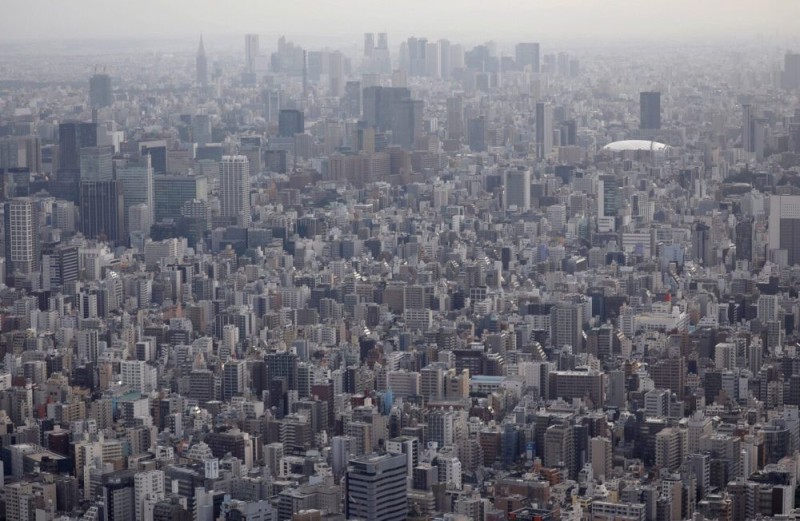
635,144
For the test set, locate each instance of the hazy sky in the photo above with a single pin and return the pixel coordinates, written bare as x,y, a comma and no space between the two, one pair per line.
503,20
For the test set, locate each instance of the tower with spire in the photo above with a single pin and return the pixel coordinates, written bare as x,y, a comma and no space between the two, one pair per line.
201,65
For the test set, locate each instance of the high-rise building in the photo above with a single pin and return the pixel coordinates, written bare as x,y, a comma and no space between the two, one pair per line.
97,163
291,122
72,137
233,379
784,227
476,134
171,192
119,496
234,188
136,177
455,117
379,105
650,110
790,78
102,207
527,55
201,65
407,122
744,240
748,118
351,102
369,44
100,94
22,244
250,52
566,325
201,129
544,129
376,488
518,189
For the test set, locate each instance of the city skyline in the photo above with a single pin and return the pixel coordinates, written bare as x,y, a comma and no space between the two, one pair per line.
613,20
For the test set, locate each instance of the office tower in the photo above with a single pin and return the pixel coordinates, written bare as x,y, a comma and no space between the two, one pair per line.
171,192
527,55
517,189
744,240
250,52
407,122
566,326
417,48
600,453
72,137
445,64
22,244
608,203
784,227
201,129
408,445
649,110
376,488
336,74
136,178
455,117
157,150
476,134
290,122
791,71
233,379
748,118
433,60
97,164
701,243
369,44
379,105
201,65
100,91
351,102
234,188
544,129
102,208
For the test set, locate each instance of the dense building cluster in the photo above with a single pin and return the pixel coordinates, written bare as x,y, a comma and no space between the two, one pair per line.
433,282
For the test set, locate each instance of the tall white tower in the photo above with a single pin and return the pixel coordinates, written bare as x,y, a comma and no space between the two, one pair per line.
234,188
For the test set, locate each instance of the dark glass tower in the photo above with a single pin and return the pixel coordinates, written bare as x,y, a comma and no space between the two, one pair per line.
649,110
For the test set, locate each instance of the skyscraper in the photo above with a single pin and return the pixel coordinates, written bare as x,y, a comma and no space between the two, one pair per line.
407,122
136,177
544,129
102,208
476,134
290,122
527,54
376,488
649,110
171,192
22,244
748,141
72,137
518,189
250,52
784,227
566,325
234,188
201,65
369,44
455,117
97,163
790,78
100,91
